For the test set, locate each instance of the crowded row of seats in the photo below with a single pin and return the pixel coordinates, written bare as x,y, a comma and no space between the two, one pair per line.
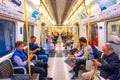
38,62
106,64
67,40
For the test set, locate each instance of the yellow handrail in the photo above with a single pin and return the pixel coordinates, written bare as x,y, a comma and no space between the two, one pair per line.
76,9
74,31
40,24
45,8
79,32
26,22
89,13
40,31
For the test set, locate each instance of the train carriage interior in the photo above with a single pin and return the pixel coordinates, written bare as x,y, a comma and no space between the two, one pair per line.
59,39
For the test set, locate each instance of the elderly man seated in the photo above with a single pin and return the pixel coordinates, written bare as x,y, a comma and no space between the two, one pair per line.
107,65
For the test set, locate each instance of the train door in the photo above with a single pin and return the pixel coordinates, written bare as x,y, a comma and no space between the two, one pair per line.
93,39
113,34
94,34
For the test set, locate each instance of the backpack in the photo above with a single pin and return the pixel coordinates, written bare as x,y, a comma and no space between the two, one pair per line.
95,51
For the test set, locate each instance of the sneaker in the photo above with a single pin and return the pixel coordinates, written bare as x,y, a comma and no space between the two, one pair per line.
48,78
74,77
71,71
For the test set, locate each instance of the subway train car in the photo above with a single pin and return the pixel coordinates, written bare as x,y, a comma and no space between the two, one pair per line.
59,39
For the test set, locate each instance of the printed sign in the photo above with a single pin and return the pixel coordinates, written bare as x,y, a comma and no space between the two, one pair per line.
35,14
21,30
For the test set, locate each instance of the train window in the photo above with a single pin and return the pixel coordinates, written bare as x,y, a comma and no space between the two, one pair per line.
93,34
113,28
7,39
113,32
31,32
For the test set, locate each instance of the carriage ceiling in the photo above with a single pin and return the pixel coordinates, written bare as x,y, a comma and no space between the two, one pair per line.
60,9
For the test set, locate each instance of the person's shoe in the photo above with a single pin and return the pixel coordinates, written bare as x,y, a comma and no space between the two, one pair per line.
48,78
74,77
71,71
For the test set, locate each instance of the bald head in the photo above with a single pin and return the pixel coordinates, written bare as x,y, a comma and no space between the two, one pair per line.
107,49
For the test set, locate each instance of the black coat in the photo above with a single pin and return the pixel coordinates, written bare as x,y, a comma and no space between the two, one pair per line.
109,65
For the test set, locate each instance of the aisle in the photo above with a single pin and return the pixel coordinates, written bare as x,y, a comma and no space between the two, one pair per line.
58,68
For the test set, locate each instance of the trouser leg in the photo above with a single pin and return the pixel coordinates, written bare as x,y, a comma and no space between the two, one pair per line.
43,65
44,57
41,71
77,67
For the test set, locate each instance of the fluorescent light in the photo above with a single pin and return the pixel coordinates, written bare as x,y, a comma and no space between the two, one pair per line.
80,9
87,2
36,2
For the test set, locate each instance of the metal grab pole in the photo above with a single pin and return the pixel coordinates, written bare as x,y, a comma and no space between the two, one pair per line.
74,31
40,23
40,32
79,33
89,13
26,22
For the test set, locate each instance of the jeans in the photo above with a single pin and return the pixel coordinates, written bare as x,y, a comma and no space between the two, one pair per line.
40,68
77,67
44,57
43,65
41,71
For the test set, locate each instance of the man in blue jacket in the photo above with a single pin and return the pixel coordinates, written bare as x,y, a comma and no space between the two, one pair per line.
20,59
39,51
109,62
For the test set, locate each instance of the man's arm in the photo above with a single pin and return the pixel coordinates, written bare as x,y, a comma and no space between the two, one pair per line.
112,65
34,51
80,53
108,66
19,61
82,57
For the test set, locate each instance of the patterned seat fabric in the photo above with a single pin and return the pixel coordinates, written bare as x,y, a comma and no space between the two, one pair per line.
6,69
21,77
6,72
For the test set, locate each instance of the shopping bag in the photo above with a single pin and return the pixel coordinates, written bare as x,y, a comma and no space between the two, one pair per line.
69,62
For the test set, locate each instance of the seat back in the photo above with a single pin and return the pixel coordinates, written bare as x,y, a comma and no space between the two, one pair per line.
6,69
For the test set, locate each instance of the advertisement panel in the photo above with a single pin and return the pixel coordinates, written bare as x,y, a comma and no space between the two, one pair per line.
12,8
104,4
15,4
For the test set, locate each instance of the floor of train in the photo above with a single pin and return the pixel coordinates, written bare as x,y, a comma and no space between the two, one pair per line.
58,68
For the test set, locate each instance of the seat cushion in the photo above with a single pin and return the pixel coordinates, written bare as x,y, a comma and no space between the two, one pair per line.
21,77
6,69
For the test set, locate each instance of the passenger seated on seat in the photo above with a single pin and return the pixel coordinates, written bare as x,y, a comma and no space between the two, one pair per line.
75,50
39,51
20,59
114,76
68,43
108,64
80,58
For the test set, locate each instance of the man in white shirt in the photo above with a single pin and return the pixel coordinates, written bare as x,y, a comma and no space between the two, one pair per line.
80,58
